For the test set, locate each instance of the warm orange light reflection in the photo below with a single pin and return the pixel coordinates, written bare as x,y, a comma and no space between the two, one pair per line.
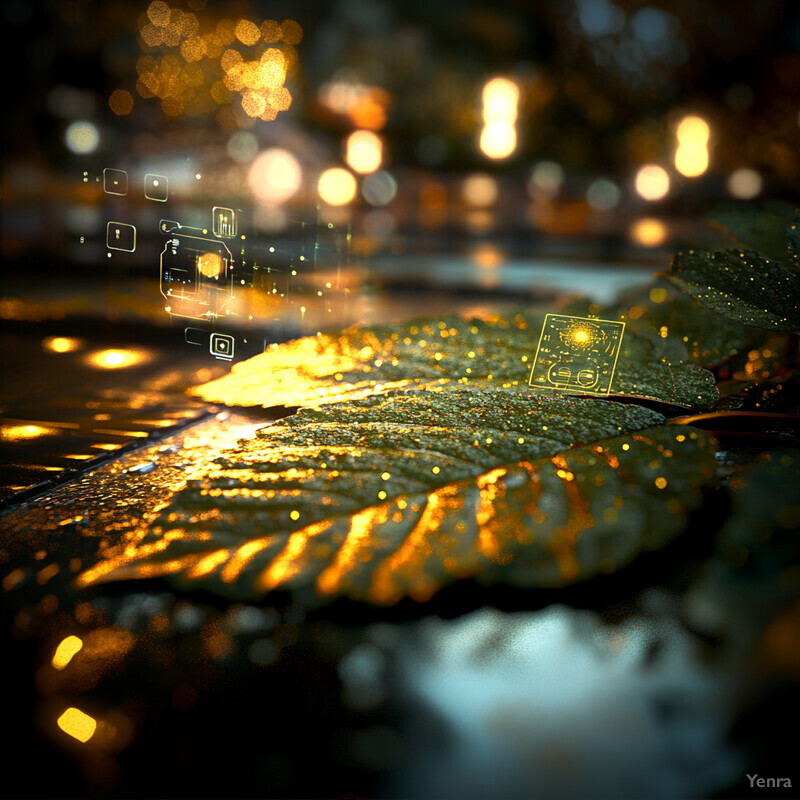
648,232
65,651
364,151
77,724
17,432
117,359
209,264
337,186
61,344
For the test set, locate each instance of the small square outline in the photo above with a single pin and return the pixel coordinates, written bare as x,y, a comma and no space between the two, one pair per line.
216,351
108,176
157,185
605,369
109,239
221,227
168,226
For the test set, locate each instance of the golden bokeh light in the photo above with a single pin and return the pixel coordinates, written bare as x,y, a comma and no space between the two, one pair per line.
499,135
15,433
291,32
117,358
480,190
247,32
61,344
82,138
336,186
498,140
364,152
121,102
693,130
65,651
275,176
744,183
691,154
209,264
691,160
500,100
77,724
270,31
652,182
158,13
648,232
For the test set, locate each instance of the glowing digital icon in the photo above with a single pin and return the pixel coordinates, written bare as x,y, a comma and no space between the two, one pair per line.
196,276
168,225
221,346
121,236
225,222
577,354
156,187
115,181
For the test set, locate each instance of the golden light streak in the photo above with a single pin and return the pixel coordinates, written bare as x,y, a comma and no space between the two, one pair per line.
362,525
207,564
17,432
242,557
65,651
290,561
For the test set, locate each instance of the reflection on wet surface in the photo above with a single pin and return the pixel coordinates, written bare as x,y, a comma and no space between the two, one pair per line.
557,702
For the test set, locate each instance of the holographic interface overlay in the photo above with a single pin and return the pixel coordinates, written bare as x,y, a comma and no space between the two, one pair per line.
222,263
577,354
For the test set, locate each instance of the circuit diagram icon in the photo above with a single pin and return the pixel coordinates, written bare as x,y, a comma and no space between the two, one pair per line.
577,354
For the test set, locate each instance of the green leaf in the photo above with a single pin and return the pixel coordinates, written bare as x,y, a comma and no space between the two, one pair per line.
681,329
433,352
758,227
741,285
793,237
400,494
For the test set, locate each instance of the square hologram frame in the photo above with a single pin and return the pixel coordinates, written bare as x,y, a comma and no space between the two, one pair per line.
577,354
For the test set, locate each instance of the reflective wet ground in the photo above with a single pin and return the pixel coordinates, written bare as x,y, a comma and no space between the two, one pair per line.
666,680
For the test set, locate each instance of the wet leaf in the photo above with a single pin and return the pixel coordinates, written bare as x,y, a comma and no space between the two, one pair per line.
681,329
741,285
758,227
793,238
433,352
400,494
